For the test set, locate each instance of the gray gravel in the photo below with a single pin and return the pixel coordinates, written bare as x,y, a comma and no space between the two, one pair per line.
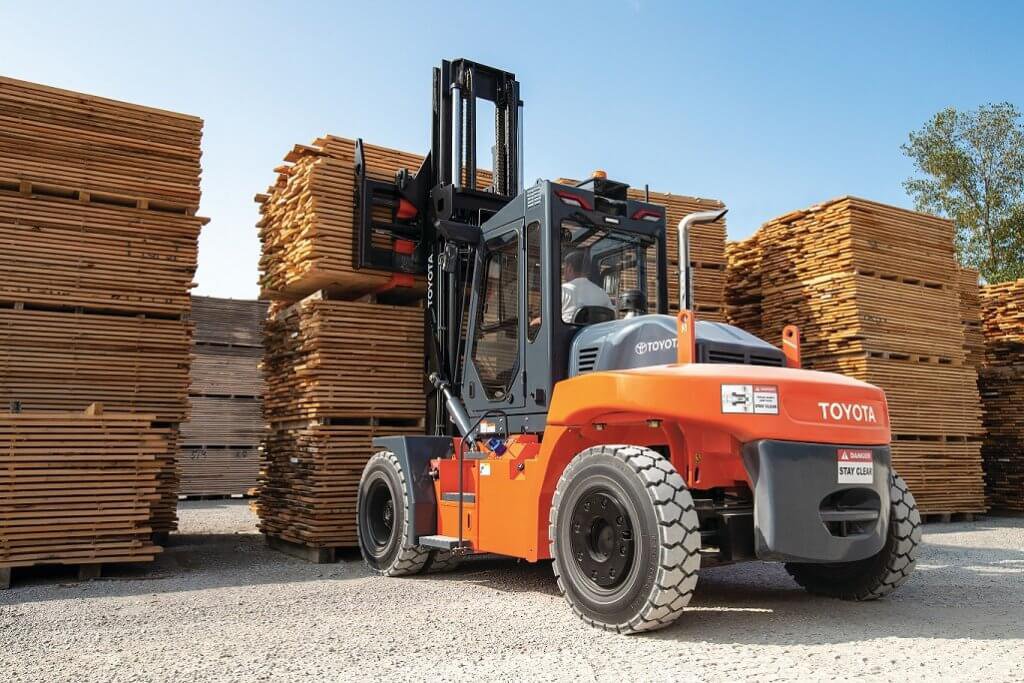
218,605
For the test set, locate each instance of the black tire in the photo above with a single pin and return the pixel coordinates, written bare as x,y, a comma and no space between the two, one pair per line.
625,539
382,513
443,561
876,576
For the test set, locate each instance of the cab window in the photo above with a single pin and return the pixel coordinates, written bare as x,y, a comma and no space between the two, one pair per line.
496,343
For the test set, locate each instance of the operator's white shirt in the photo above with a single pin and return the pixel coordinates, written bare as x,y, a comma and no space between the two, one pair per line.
581,292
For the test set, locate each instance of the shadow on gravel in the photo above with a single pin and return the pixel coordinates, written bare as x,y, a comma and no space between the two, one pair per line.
958,592
189,562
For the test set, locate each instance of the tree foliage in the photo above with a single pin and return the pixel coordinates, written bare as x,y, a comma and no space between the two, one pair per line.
972,167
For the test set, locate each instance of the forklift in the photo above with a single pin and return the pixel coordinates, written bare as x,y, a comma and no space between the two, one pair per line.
571,418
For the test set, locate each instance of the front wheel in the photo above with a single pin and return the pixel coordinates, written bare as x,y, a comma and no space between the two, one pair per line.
625,539
879,575
383,517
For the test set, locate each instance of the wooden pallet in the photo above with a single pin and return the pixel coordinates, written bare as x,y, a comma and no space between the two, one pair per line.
77,488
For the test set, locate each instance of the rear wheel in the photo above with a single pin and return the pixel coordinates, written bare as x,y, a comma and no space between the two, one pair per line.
383,514
876,576
625,539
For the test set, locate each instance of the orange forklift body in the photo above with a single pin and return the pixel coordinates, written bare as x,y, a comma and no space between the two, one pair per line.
664,406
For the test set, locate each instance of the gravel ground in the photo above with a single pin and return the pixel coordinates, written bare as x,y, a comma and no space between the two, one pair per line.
218,605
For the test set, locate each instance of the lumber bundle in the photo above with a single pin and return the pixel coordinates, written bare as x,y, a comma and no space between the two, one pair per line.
98,247
307,220
77,488
1002,390
878,296
220,442
114,152
344,359
707,252
218,470
338,373
970,317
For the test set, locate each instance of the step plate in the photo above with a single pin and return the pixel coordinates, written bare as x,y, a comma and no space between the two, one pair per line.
442,542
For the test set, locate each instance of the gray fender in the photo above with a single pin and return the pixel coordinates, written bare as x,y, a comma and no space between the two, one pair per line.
414,453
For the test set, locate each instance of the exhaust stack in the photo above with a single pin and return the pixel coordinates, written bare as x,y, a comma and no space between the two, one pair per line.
685,273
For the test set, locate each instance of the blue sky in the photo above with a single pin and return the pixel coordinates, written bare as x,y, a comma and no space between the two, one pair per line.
769,107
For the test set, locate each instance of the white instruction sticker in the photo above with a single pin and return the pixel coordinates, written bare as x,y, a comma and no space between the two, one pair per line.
485,469
855,467
737,398
766,399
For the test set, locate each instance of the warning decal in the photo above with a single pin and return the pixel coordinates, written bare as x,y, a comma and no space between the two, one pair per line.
737,398
766,399
855,466
759,399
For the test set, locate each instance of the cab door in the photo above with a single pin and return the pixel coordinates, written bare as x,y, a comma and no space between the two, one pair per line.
493,379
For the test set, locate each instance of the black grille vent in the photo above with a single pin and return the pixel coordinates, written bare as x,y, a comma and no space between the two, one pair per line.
587,358
766,360
720,356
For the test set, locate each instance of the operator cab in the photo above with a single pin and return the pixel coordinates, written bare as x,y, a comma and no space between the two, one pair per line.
553,261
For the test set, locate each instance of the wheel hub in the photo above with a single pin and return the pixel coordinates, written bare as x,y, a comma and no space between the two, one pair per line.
602,539
381,515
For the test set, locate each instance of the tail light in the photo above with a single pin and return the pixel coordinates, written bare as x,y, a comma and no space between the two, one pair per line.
646,215
573,200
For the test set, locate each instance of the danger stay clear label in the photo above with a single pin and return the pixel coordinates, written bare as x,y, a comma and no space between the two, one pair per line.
766,399
855,466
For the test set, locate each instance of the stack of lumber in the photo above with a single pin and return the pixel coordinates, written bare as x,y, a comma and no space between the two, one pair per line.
970,317
76,488
98,247
1002,389
707,250
219,453
743,296
876,292
338,374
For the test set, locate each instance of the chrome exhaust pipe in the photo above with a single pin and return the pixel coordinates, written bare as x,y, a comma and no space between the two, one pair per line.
685,272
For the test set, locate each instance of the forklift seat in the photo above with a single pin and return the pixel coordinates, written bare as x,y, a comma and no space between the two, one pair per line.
589,315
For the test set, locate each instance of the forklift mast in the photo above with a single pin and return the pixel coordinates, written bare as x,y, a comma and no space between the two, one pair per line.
434,216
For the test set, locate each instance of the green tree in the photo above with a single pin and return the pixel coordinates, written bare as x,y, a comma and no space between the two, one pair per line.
972,165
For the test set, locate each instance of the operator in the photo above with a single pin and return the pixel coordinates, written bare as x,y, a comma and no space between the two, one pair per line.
577,290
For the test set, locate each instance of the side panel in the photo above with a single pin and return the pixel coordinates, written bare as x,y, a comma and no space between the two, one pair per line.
415,453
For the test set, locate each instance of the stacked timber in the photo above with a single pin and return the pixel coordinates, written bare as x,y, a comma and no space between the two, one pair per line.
876,292
219,453
338,371
98,247
970,317
743,295
1002,389
707,250
338,374
77,488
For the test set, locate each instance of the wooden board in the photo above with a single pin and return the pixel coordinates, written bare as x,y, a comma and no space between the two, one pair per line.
77,488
